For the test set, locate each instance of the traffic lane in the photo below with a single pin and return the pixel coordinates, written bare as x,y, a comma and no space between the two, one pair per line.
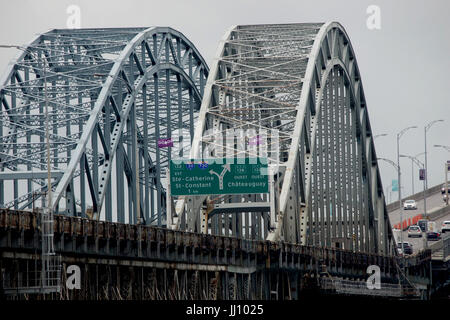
418,243
433,201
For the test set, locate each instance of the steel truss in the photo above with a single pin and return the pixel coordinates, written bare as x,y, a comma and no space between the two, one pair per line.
111,93
300,83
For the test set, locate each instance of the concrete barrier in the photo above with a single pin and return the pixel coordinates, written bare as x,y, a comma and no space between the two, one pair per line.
417,196
439,213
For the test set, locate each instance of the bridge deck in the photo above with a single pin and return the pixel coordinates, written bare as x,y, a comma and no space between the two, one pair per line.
90,242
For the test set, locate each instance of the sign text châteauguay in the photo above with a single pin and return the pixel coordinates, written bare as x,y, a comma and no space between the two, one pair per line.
218,176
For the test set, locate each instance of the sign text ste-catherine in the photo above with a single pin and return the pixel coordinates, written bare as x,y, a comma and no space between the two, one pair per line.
218,176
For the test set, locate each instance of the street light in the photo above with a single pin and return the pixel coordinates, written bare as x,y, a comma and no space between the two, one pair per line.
379,135
426,128
416,161
397,167
442,146
399,135
446,171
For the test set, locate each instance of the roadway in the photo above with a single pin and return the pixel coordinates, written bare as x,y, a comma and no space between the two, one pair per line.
434,203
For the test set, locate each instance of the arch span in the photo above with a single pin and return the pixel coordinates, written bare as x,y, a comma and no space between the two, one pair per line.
111,95
301,84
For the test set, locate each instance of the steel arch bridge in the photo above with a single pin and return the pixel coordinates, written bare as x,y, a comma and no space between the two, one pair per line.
300,84
111,95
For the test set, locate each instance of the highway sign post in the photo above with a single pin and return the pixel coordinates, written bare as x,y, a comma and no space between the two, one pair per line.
219,176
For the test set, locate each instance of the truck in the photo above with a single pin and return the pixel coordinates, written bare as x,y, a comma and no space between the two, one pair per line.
432,231
431,226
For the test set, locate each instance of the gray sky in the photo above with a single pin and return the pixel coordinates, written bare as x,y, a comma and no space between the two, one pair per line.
404,66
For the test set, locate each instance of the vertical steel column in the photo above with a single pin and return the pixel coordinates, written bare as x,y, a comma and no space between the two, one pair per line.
333,147
353,166
107,136
147,187
321,173
328,145
158,157
341,186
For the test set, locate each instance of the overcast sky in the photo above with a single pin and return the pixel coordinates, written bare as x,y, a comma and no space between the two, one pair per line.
404,65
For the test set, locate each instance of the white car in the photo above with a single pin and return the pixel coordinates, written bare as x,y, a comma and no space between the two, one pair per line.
445,226
414,231
409,204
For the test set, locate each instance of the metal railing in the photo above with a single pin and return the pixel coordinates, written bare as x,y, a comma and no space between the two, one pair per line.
445,245
360,287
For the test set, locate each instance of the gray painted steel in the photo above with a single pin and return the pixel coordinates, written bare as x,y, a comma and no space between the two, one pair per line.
112,94
302,83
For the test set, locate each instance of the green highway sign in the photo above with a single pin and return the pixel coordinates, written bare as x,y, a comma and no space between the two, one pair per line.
218,176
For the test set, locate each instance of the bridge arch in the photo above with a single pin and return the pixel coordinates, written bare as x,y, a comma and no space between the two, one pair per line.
111,95
281,75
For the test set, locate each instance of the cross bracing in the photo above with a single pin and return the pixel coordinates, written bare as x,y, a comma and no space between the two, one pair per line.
111,94
299,85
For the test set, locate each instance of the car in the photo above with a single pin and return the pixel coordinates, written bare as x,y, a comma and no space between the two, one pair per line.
422,224
445,226
433,235
409,204
443,189
414,231
407,248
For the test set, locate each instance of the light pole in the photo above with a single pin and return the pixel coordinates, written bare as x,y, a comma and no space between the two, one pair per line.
442,146
421,166
399,135
426,128
417,162
388,192
445,171
392,163
379,135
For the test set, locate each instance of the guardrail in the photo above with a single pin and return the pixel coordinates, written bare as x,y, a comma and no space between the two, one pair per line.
350,287
446,246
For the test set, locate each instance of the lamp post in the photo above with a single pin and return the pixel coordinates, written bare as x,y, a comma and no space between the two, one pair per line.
443,147
399,135
426,128
416,161
392,163
379,135
446,169
388,192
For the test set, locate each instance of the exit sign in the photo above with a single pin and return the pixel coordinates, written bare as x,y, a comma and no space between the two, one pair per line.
219,176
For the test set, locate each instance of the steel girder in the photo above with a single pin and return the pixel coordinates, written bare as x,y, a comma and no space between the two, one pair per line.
111,94
301,84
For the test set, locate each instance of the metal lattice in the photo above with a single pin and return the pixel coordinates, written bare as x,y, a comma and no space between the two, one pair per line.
299,85
111,95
